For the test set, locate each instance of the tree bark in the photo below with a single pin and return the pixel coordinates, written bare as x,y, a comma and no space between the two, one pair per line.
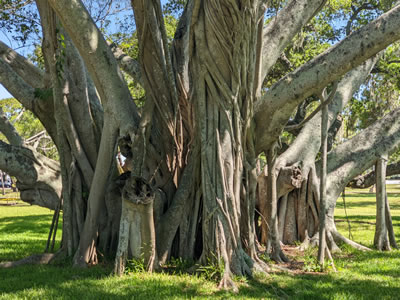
381,241
369,179
283,97
322,212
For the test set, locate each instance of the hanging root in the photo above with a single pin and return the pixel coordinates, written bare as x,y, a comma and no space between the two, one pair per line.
329,255
331,243
338,237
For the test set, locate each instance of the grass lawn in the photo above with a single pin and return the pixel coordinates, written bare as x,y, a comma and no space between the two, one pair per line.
369,275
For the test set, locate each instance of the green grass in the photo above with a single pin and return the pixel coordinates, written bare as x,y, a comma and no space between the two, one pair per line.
361,210
23,230
369,275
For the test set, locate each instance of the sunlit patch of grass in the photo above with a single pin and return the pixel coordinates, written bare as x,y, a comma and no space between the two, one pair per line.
23,231
361,213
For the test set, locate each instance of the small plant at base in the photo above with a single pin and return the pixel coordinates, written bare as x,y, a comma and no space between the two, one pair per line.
240,279
178,265
311,264
214,270
265,258
135,265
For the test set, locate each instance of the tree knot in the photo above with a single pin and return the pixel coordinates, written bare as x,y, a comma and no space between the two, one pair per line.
137,191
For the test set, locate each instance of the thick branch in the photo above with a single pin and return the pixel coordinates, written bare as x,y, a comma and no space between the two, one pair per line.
283,97
308,142
359,153
23,67
155,59
16,85
100,62
127,63
367,180
37,101
180,48
281,30
39,178
9,130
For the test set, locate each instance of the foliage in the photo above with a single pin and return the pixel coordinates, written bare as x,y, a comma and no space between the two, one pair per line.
178,266
27,125
135,265
24,121
379,96
174,7
20,19
213,270
311,263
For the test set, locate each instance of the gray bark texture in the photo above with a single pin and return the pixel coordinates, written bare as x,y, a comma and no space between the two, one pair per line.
381,240
193,148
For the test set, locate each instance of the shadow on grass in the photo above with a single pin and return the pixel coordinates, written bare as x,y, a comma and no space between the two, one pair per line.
48,282
370,219
360,204
329,287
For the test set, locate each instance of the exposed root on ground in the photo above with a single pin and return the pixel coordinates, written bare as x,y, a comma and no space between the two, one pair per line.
338,237
279,257
36,259
227,283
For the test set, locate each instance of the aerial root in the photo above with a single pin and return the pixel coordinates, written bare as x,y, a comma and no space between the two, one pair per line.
333,247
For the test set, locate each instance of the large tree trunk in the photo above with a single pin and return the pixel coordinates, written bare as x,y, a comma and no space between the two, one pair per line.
78,124
223,97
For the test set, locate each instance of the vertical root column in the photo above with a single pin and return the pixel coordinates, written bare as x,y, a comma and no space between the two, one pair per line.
137,232
384,235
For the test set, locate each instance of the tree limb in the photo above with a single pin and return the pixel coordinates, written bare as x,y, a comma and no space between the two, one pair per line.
31,74
16,85
282,98
359,153
35,100
324,103
127,63
369,179
155,59
100,61
39,178
9,130
307,143
281,30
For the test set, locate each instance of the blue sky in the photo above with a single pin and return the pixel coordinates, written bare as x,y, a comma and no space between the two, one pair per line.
3,91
